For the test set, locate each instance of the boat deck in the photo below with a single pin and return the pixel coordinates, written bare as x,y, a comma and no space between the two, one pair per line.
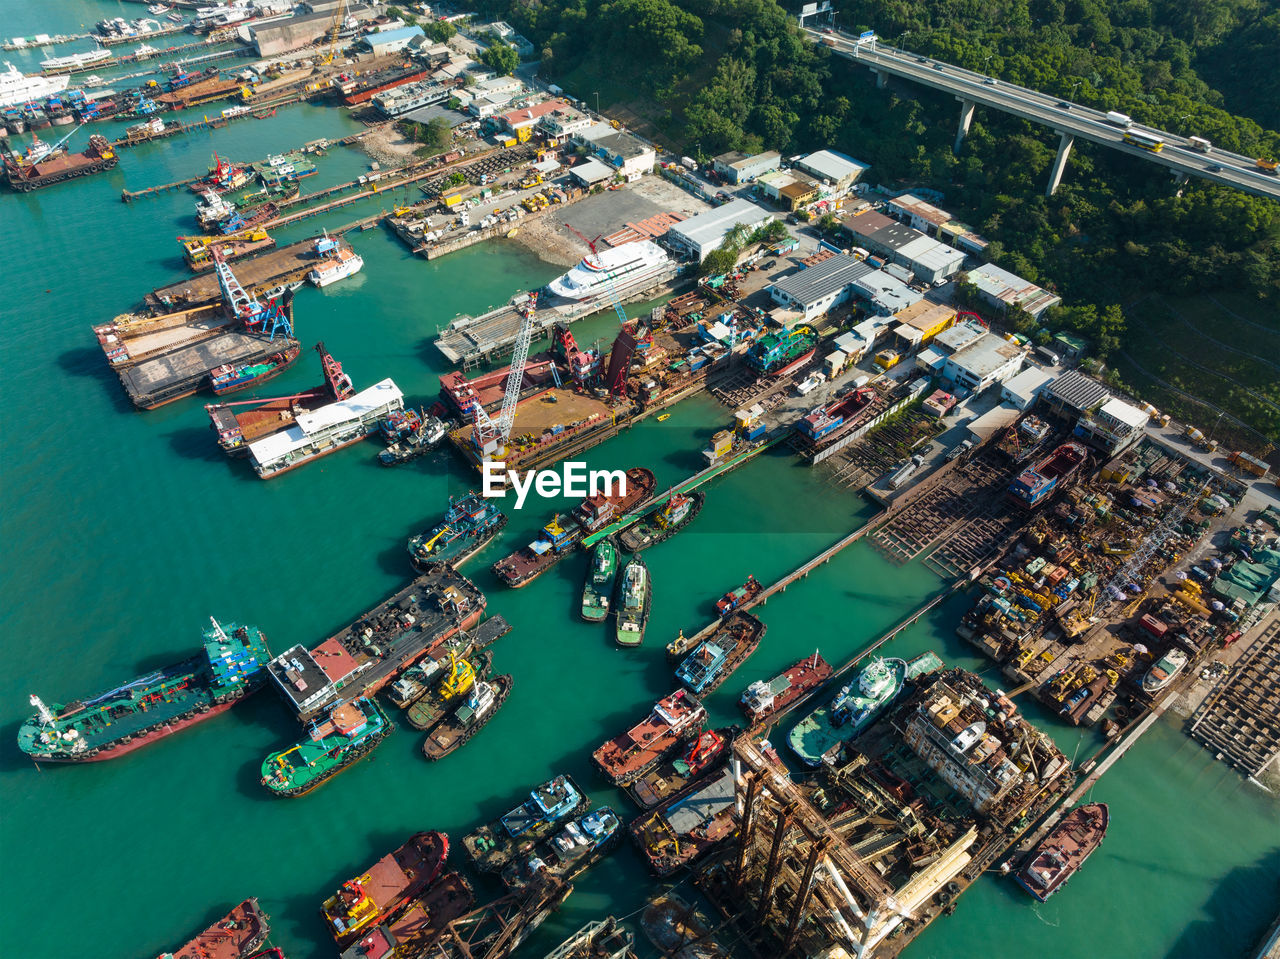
285,264
182,371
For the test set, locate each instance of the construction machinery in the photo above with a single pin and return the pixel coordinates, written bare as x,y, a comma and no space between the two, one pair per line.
248,311
490,435
335,28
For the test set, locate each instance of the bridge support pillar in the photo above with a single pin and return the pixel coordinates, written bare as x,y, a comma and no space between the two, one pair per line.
1065,144
882,79
966,118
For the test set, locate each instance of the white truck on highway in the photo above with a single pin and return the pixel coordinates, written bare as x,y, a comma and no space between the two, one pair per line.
1120,119
1200,143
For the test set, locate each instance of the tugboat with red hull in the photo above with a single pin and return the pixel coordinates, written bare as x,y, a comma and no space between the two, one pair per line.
630,755
1064,850
237,935
388,886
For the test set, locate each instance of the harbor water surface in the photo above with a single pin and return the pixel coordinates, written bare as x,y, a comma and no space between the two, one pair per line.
124,531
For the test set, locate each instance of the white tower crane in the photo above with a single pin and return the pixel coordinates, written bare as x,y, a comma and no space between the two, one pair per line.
491,434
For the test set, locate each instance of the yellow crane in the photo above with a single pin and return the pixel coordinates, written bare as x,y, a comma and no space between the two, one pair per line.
334,29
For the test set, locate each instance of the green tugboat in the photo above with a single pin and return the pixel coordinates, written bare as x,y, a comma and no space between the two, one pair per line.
598,588
348,733
456,680
664,522
455,730
634,595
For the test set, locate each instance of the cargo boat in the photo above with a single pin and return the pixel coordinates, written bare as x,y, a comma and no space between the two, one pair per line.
389,885
597,590
635,595
664,522
457,676
370,653
360,90
323,431
557,539
1163,671
350,732
239,424
240,934
416,680
495,844
1035,484
419,924
456,729
717,656
198,250
420,441
580,844
737,598
233,377
852,710
673,775
229,666
278,169
40,167
469,524
630,755
223,177
248,218
1064,850
687,828
776,354
763,699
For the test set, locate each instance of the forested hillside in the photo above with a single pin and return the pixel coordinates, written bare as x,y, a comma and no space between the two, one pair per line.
711,75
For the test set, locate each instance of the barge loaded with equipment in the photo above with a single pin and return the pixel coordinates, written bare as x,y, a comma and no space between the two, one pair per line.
44,165
456,729
390,884
1064,850
630,755
721,653
582,842
469,524
664,522
673,775
762,699
237,935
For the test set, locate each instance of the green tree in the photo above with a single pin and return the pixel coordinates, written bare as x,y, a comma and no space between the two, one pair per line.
501,58
441,31
719,261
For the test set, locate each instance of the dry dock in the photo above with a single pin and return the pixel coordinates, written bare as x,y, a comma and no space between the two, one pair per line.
182,371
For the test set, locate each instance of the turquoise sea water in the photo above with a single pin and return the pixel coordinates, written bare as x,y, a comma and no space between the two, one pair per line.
122,531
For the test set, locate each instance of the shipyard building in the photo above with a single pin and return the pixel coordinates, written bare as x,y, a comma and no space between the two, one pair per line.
699,235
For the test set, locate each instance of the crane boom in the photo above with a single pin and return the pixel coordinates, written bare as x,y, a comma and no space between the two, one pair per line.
491,434
35,156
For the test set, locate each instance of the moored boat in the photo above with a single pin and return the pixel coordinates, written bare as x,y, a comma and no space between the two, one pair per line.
669,777
717,656
1164,671
421,440
232,377
492,846
635,594
237,935
338,265
457,729
664,522
229,666
820,734
421,921
737,598
597,590
762,699
631,754
457,676
686,828
582,842
468,525
389,884
1064,850
348,733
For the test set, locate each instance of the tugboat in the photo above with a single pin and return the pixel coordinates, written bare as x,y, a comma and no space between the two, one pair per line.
582,842
664,522
630,755
763,699
233,377
229,667
417,442
423,920
1163,671
1064,850
736,598
598,588
213,210
721,653
468,719
390,883
347,734
413,682
430,708
495,844
238,934
820,734
635,593
467,527
669,777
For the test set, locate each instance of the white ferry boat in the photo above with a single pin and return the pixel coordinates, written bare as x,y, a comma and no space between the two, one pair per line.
337,262
17,87
322,431
628,265
401,100
75,61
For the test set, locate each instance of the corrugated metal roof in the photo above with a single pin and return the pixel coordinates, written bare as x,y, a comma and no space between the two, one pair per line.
830,165
1078,391
708,229
815,282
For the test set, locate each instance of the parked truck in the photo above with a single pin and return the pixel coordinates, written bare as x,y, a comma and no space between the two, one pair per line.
1250,464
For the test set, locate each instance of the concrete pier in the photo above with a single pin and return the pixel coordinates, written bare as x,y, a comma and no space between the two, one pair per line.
1065,144
966,118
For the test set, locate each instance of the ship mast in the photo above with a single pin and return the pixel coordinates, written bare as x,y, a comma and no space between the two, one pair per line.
43,711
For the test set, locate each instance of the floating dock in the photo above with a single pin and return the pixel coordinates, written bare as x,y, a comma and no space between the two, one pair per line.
183,371
257,274
1240,722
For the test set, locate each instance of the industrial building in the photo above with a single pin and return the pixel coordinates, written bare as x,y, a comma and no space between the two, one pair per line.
816,289
837,171
789,189
592,171
921,322
565,122
285,36
929,260
1114,428
987,360
526,118
1025,388
387,42
1001,288
912,210
884,294
699,235
625,152
739,167
507,34
1073,393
